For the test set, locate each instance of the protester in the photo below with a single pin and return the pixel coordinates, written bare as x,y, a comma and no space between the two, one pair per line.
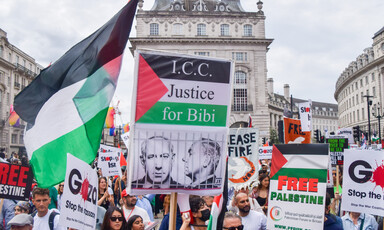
251,219
135,223
7,212
356,220
105,199
44,219
253,202
114,219
22,207
200,214
60,192
232,221
22,221
130,209
53,195
208,201
261,192
165,222
331,222
143,202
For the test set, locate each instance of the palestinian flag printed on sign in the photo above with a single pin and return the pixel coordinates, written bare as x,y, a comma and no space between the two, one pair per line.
298,186
183,102
66,105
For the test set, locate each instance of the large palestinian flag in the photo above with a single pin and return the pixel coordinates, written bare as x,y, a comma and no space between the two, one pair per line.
66,105
298,186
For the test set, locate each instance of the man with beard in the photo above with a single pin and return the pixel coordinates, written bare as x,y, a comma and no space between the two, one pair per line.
130,209
157,158
251,220
201,162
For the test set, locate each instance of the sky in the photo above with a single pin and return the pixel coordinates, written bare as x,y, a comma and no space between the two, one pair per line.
314,40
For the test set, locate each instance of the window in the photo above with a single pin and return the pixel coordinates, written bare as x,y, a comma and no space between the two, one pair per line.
177,29
356,85
17,59
154,29
224,30
30,66
240,99
14,139
240,77
201,29
366,80
1,51
24,63
374,91
247,30
21,140
358,115
361,82
357,99
239,56
373,76
353,101
202,53
10,57
362,113
362,96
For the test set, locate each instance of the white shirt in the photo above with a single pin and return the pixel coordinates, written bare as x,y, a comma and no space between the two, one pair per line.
42,223
254,221
136,211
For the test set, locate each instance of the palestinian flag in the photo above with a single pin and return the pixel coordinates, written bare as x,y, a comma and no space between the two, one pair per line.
298,184
66,105
196,87
219,206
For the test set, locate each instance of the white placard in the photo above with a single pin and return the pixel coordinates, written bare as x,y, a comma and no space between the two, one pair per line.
79,200
306,116
265,152
109,162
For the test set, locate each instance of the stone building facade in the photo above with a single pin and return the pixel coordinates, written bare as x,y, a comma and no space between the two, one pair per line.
217,29
17,70
363,77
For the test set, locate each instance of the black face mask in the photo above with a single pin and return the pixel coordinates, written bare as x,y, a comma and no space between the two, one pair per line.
205,214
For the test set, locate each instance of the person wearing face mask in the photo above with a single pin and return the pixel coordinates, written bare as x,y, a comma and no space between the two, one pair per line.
200,214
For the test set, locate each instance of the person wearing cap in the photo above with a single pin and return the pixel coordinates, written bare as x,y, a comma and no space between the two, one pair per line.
22,207
22,221
130,209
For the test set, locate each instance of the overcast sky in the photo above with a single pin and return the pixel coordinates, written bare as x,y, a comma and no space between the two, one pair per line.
314,40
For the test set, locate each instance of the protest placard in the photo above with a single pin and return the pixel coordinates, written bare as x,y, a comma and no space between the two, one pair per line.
363,181
297,186
305,110
336,149
242,156
109,163
347,133
265,153
293,133
181,107
80,196
15,182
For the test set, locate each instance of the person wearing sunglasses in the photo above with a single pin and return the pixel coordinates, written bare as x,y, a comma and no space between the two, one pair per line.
114,219
232,221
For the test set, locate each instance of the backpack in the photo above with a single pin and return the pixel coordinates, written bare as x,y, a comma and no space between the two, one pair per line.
50,219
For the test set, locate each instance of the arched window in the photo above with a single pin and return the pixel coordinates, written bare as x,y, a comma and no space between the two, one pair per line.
154,29
201,29
247,30
240,93
240,77
224,30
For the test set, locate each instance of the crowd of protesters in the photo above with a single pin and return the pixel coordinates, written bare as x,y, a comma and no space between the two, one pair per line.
246,208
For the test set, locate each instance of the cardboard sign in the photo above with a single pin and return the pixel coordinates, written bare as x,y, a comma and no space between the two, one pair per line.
363,181
347,133
293,133
265,153
125,137
336,149
242,156
109,162
80,196
297,186
181,107
15,182
305,110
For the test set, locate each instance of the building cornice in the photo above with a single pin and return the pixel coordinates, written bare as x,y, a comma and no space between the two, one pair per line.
355,75
205,40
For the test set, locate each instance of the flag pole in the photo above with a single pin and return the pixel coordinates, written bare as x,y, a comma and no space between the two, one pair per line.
337,184
173,211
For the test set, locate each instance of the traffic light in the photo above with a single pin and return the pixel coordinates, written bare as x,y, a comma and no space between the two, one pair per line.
317,138
356,132
322,139
264,140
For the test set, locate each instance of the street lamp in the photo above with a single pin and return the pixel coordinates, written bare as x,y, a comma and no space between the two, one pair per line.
379,115
369,102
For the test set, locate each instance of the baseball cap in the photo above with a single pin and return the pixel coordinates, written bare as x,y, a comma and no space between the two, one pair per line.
21,220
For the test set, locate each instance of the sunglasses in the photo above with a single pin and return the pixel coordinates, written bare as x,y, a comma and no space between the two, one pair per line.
240,227
114,218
